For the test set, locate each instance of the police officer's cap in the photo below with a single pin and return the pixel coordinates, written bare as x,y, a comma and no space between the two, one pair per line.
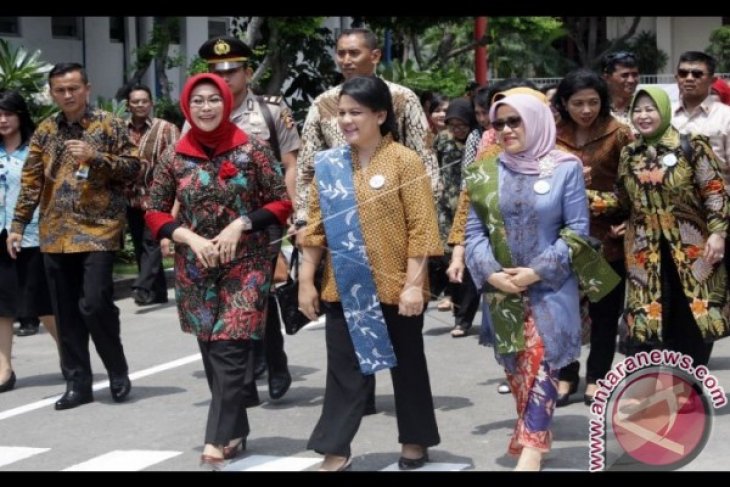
225,52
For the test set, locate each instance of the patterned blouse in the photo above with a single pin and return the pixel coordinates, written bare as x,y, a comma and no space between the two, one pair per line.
682,201
390,240
77,215
11,167
225,302
321,131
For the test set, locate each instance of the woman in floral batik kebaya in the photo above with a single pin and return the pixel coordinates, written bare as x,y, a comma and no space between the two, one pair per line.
677,295
230,189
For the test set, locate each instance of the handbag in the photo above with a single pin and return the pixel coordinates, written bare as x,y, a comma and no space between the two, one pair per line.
287,298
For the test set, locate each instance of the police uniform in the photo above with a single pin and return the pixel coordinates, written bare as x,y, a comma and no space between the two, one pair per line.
258,116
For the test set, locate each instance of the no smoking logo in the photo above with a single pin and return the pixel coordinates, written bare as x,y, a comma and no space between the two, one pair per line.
660,419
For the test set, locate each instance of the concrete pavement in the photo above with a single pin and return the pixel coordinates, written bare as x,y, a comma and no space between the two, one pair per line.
161,427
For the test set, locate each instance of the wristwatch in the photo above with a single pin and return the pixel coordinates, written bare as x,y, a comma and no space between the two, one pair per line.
246,223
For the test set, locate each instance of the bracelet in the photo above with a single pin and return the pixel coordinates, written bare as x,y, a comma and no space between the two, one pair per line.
246,223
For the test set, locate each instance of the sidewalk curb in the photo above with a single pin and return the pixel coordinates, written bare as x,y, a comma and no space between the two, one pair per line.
123,283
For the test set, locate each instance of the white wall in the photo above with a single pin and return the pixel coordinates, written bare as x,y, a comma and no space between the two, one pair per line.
104,59
691,34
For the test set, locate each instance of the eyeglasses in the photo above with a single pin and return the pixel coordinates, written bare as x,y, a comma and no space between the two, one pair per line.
511,122
213,101
696,73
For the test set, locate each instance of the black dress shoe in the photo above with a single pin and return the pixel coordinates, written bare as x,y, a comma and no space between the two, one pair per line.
279,383
28,327
259,366
9,384
120,387
74,398
412,463
142,297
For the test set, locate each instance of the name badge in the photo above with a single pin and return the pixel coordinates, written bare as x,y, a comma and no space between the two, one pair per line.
541,187
669,160
377,181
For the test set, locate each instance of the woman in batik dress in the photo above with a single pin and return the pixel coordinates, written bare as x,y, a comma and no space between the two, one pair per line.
230,189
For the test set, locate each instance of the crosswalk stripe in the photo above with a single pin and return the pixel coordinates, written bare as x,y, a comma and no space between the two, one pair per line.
101,385
11,454
430,467
123,460
268,463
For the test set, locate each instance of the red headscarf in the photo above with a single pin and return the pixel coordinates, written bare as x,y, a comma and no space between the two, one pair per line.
722,89
224,138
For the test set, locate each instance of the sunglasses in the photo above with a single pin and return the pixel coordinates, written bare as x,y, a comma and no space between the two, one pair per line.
696,73
511,122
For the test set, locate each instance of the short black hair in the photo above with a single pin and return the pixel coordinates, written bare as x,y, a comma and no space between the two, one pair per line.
373,93
611,61
573,82
481,97
12,101
62,68
698,57
371,40
139,87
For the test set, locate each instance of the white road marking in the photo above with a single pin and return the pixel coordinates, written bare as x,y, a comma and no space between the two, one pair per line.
430,467
123,461
11,454
101,385
267,463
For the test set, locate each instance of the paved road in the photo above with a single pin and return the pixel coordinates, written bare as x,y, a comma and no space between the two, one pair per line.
161,427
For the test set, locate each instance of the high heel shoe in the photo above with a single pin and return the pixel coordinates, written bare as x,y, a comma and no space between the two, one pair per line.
342,468
564,399
8,384
232,451
413,463
209,462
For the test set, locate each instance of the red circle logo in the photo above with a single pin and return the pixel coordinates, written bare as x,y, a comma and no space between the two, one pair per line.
661,418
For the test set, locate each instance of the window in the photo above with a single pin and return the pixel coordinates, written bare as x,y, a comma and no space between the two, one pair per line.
65,27
10,26
116,29
217,28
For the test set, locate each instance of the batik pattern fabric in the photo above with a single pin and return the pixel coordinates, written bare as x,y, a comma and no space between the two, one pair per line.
449,153
77,215
321,131
225,302
398,220
683,202
534,386
532,223
152,140
456,234
353,273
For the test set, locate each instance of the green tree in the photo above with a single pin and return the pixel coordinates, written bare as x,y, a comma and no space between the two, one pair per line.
293,50
719,48
26,73
649,57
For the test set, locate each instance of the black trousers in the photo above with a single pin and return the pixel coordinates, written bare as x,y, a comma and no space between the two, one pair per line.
466,301
82,295
151,276
679,328
347,388
228,367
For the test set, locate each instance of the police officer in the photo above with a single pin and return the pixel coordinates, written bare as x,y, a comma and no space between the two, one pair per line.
268,119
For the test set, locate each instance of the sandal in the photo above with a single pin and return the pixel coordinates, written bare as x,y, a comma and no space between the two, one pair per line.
444,305
459,331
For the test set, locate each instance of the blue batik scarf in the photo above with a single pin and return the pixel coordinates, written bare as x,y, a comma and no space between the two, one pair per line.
353,274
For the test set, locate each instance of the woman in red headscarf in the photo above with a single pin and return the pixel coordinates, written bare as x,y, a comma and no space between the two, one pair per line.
230,188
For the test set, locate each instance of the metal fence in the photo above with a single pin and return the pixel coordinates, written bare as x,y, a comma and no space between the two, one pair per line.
644,79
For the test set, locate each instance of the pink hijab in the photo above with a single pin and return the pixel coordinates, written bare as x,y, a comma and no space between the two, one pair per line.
539,125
